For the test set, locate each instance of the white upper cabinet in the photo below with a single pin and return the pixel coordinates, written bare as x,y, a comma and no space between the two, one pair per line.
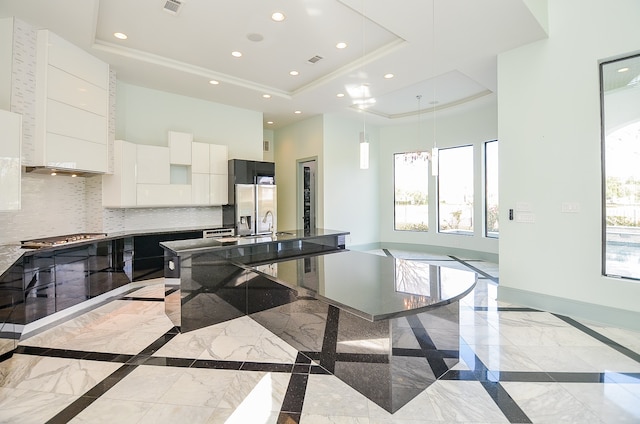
153,164
72,107
119,188
180,146
10,166
200,158
142,175
218,162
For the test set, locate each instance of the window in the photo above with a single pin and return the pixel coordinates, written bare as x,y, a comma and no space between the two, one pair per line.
455,190
620,82
411,181
491,188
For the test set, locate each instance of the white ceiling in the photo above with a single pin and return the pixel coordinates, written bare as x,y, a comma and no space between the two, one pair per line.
444,52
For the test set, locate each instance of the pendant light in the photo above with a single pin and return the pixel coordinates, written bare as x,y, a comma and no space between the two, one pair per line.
364,137
434,149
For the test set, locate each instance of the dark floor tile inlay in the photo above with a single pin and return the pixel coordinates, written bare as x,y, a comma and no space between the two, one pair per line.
99,389
505,402
294,397
479,271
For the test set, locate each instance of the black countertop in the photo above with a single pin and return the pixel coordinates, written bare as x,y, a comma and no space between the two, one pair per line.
199,245
12,252
373,287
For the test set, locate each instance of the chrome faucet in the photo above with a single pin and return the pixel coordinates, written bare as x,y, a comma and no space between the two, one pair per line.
264,220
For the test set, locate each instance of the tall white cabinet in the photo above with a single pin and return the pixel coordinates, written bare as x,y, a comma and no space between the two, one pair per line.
10,167
72,107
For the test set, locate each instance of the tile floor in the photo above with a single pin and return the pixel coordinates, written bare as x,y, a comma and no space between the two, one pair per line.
124,362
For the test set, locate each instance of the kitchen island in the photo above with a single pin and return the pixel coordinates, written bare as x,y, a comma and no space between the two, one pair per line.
387,327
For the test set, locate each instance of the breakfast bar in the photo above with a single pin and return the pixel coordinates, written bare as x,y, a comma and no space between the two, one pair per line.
387,327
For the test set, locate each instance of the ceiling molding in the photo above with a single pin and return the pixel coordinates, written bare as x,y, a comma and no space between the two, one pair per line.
187,68
425,110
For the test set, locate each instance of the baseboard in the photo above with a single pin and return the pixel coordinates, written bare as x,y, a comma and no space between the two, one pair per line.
583,311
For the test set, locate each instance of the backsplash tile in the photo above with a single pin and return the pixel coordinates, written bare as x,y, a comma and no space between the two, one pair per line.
64,205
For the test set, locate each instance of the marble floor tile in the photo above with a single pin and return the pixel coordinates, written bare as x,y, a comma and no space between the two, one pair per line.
328,396
461,401
171,414
200,387
550,403
612,403
145,384
505,358
30,406
109,411
55,375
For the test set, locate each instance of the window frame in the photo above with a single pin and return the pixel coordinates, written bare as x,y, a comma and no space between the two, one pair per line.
470,232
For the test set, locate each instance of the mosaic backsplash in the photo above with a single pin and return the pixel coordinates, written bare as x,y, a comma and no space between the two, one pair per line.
63,205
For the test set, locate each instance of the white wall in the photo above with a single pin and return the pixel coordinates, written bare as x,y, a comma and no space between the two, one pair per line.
351,200
144,116
302,140
549,131
472,124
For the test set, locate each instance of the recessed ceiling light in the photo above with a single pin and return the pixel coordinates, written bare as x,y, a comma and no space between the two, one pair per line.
389,76
270,122
341,45
294,73
213,82
340,95
278,16
266,96
298,112
120,35
236,54
623,69
74,175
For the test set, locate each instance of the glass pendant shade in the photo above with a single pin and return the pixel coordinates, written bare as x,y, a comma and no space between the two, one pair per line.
364,151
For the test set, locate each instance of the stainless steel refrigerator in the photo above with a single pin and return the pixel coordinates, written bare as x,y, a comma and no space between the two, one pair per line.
256,207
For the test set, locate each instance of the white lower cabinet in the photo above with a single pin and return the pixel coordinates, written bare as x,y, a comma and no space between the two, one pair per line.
10,166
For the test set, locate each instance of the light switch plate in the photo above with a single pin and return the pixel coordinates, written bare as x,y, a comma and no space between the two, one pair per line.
526,217
570,207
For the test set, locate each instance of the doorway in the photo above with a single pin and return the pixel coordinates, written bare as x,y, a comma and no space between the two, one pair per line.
307,183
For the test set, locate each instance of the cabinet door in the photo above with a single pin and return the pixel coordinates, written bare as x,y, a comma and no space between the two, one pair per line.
119,188
69,89
86,155
71,58
200,189
200,158
164,194
153,165
218,163
218,189
180,147
77,123
10,138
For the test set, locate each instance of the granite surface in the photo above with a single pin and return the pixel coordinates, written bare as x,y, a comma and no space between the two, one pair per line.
196,245
10,253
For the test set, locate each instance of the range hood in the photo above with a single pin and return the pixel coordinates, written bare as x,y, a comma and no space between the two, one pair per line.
59,171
